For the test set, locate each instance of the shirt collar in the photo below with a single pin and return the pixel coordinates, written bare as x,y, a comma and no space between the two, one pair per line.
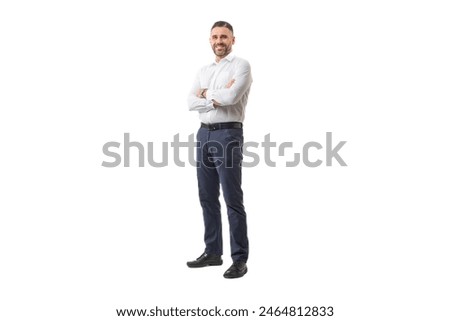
228,57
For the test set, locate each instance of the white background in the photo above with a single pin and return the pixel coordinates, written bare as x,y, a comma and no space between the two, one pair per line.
79,240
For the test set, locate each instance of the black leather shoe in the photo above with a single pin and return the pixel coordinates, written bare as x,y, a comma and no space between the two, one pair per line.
237,270
206,260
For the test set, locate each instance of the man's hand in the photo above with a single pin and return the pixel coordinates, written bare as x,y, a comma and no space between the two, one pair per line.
201,93
230,83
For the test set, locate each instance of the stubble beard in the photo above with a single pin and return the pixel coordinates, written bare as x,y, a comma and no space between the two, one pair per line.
222,53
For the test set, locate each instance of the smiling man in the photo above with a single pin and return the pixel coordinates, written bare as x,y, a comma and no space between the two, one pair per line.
219,95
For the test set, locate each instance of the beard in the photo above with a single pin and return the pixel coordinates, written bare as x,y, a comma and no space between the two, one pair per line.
221,50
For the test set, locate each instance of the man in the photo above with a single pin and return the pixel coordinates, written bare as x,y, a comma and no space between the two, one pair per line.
219,95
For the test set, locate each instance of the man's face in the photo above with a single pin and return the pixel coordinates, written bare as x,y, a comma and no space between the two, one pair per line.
221,41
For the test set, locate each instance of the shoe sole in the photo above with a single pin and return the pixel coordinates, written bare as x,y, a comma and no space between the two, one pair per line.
205,265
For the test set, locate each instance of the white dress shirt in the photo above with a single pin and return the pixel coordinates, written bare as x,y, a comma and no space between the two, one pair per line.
232,101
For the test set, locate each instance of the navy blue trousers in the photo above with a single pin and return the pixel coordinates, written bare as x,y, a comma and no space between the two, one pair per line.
219,162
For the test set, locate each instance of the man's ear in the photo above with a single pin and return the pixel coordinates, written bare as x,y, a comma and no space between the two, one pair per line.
234,39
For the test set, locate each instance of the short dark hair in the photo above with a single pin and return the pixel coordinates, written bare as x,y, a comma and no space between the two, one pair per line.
222,24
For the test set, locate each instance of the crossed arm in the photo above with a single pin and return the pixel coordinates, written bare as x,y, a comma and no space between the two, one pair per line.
206,99
202,93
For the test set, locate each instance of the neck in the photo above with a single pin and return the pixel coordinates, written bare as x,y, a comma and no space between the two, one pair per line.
219,58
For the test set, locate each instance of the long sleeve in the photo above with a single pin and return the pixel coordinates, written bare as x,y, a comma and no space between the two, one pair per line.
222,104
230,96
195,103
